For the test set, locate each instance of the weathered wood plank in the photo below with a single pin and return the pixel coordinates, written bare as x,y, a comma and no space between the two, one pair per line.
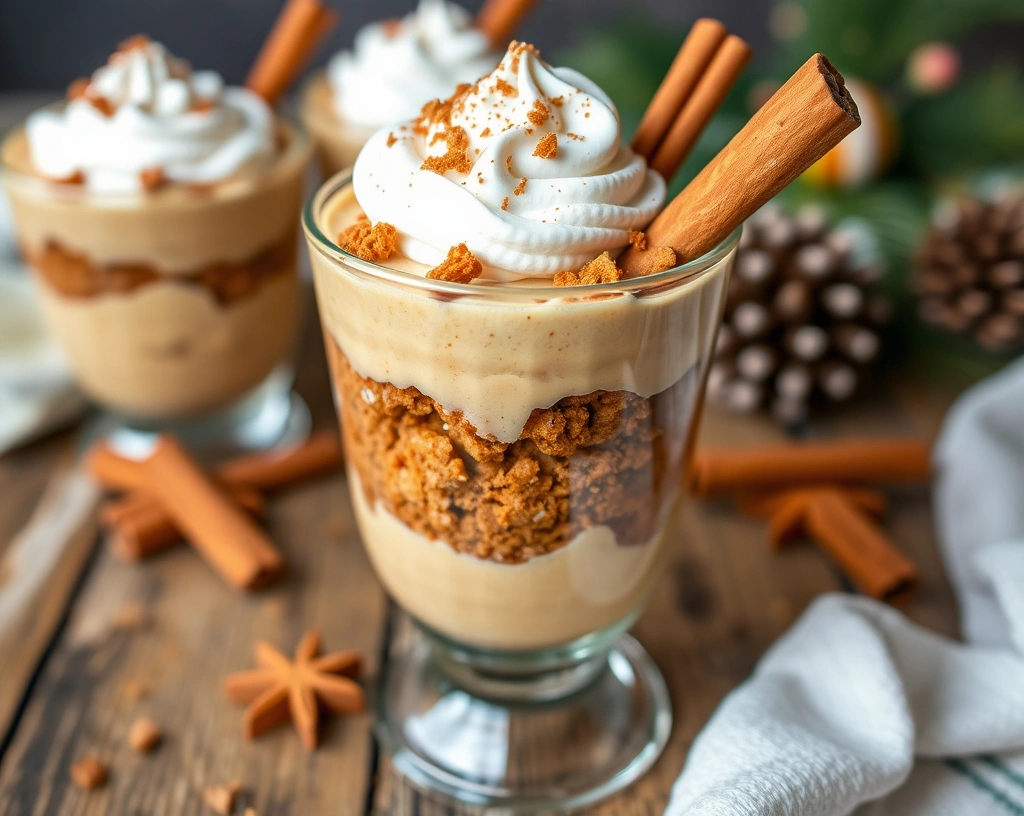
38,573
200,631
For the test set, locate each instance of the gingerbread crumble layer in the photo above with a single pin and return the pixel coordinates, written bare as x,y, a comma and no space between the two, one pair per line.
590,460
75,276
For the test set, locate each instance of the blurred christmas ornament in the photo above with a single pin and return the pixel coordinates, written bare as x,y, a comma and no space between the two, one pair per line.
970,270
864,154
801,324
933,67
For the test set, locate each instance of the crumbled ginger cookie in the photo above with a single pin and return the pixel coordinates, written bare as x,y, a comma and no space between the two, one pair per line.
547,147
87,772
638,240
375,242
654,260
600,270
596,459
456,156
461,266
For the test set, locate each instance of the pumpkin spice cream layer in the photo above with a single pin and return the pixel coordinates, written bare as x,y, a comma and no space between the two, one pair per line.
515,447
158,209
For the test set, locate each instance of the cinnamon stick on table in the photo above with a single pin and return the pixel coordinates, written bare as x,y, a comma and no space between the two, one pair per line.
222,533
719,471
139,524
806,118
861,550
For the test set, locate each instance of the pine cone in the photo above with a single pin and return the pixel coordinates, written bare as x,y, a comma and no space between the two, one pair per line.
800,321
970,271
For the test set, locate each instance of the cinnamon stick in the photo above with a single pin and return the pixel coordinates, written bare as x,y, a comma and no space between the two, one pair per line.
139,526
300,28
718,471
765,505
499,19
690,63
806,118
860,549
714,85
229,541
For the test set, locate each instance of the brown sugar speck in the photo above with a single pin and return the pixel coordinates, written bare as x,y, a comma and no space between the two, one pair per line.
101,103
508,165
455,157
502,87
371,243
539,113
392,139
638,239
144,735
600,270
152,178
504,204
133,43
485,133
221,798
547,147
391,27
88,772
575,137
655,260
520,188
557,101
461,266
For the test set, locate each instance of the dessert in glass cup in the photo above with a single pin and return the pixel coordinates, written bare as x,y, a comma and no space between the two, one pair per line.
516,414
394,67
157,208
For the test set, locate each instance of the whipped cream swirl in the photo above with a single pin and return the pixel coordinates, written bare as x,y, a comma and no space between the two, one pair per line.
397,65
525,167
144,111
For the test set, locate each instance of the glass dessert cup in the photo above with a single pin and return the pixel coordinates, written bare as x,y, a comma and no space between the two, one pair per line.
337,142
177,308
516,456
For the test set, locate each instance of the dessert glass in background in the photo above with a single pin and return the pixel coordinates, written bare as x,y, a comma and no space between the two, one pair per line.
393,68
516,450
158,210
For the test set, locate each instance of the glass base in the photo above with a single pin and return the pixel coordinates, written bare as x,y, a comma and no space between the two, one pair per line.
527,749
270,415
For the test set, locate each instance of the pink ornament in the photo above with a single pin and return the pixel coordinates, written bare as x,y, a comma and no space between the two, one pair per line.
933,67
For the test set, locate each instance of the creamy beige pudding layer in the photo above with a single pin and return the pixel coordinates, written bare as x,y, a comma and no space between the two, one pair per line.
337,142
135,287
514,463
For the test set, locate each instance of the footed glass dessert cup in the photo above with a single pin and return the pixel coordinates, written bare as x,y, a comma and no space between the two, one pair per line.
516,454
178,308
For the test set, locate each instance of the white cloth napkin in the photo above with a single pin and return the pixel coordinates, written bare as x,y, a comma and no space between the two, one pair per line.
36,391
856,709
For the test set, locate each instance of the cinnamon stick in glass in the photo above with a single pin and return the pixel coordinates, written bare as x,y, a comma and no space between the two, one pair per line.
709,94
300,28
690,63
498,20
806,118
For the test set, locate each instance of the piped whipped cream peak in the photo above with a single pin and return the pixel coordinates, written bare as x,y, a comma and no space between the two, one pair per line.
396,64
146,115
525,167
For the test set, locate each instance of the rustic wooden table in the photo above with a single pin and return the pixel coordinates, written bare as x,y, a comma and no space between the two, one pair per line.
65,663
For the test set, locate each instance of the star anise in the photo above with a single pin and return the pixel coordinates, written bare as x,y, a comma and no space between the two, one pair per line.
282,689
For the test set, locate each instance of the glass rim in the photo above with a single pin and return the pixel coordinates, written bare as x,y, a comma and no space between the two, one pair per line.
299,148
683,273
